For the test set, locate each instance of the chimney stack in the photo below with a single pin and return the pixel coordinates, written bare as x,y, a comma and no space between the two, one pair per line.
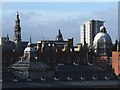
118,46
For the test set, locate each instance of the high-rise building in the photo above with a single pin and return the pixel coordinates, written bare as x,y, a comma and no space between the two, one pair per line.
88,30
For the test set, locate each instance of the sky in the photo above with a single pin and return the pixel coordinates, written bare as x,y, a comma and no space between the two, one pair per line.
60,0
42,20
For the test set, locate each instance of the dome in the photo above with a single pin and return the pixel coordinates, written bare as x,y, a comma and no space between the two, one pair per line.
102,29
29,44
102,41
102,38
29,48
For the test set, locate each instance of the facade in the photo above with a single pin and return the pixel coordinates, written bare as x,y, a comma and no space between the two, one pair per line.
57,45
50,50
31,67
7,51
54,46
6,44
88,31
116,60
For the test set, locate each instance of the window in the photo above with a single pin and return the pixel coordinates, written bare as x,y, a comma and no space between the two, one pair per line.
78,59
49,44
61,59
119,59
53,59
48,59
68,59
119,68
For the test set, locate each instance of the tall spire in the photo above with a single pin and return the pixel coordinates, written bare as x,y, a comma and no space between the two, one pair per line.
17,14
7,38
30,42
17,33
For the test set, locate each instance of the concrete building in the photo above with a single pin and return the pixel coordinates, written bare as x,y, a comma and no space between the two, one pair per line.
88,30
116,60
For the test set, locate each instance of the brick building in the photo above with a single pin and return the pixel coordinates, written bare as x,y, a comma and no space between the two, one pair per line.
116,60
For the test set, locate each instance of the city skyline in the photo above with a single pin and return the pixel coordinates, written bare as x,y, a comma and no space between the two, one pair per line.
45,19
60,44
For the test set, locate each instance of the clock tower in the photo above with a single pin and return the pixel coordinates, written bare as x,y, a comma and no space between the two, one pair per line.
17,34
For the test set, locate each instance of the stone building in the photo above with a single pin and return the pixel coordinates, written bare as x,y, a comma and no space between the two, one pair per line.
60,51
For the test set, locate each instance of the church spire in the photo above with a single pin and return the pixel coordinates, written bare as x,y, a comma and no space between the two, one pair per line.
17,19
7,38
17,15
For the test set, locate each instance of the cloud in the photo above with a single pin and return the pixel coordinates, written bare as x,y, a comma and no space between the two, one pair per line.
110,17
45,24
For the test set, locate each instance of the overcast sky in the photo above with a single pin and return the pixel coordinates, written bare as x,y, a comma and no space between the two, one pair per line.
42,20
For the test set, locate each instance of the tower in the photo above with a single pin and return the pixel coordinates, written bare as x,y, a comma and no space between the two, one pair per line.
88,30
7,38
17,34
59,36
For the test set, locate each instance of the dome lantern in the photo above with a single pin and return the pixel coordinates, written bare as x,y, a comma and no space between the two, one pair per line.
103,29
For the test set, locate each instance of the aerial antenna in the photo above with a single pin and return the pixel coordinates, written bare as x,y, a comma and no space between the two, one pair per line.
30,39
